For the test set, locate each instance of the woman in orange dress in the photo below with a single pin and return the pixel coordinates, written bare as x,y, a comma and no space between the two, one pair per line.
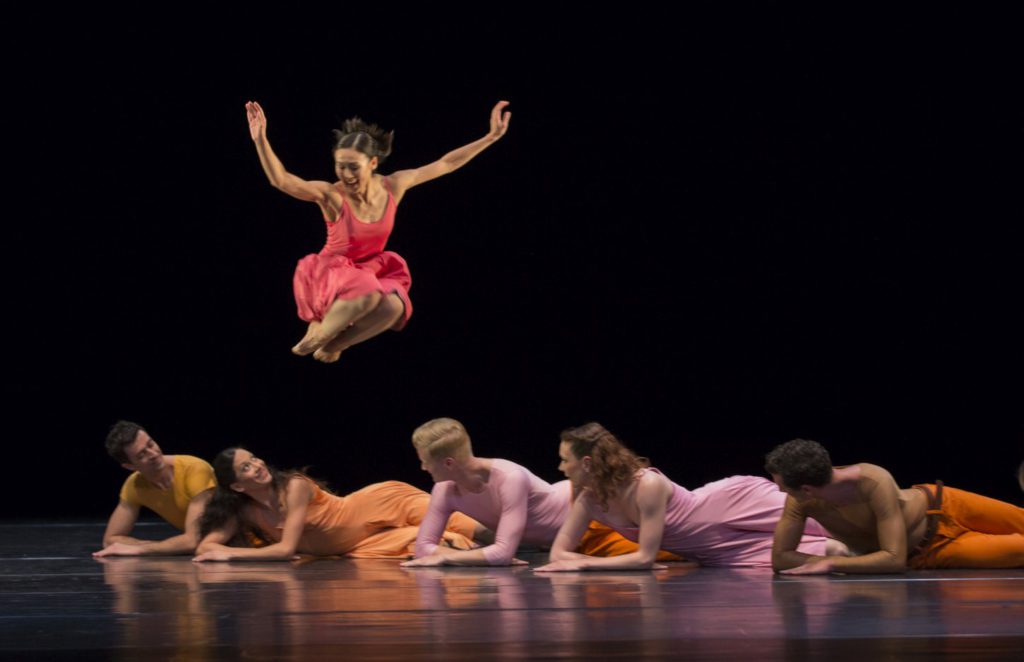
290,513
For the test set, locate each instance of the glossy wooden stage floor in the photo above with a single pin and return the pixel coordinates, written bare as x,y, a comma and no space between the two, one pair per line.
57,602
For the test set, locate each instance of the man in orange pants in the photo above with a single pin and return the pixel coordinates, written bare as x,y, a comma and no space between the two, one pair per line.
889,529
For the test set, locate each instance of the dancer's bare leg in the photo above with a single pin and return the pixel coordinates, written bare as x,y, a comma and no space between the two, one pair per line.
341,315
314,326
377,321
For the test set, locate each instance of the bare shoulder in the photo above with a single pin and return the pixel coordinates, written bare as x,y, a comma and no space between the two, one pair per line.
873,476
299,486
324,186
330,197
399,179
878,489
399,182
791,508
320,192
653,485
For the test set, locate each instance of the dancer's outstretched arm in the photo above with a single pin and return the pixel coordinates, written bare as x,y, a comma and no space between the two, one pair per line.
281,179
569,536
891,556
183,543
120,525
514,496
652,494
403,180
297,497
788,532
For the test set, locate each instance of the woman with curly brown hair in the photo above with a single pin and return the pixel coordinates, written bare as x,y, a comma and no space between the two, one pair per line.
729,522
353,289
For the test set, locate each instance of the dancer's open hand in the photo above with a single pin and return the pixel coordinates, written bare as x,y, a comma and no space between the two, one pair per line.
214,555
570,565
499,120
816,567
257,120
424,562
118,549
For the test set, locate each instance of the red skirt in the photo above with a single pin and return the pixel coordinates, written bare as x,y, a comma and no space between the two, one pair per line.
320,280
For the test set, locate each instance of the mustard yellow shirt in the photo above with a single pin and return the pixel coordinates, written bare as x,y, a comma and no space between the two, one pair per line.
191,476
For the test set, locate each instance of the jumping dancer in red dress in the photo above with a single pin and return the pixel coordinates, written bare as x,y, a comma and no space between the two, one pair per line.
353,289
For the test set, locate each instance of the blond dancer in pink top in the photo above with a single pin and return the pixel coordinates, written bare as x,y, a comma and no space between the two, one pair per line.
503,496
726,523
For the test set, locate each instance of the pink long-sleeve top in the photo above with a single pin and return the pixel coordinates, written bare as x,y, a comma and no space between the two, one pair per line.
515,504
730,522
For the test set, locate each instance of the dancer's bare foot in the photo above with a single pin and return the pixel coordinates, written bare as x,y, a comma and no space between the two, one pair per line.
324,356
310,342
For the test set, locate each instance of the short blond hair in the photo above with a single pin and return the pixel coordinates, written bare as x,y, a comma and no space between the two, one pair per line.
441,438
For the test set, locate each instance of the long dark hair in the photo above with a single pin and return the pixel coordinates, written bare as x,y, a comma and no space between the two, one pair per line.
612,465
227,504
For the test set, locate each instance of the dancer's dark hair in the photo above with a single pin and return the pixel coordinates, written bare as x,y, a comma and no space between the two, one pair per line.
364,137
800,462
121,435
226,504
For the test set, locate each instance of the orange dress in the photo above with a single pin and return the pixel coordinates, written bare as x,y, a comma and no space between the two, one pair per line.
377,521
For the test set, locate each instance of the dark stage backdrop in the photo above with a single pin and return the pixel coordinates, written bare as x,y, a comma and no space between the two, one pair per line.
712,232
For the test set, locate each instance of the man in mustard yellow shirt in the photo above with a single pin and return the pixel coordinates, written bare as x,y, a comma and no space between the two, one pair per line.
175,487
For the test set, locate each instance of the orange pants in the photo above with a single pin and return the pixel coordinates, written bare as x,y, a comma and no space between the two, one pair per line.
600,540
973,531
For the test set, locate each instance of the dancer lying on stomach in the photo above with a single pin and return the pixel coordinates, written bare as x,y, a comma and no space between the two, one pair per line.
175,487
503,496
725,523
291,513
887,528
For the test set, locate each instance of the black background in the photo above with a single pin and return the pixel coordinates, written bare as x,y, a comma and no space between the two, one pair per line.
712,231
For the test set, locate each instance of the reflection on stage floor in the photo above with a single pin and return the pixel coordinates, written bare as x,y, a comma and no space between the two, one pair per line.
58,602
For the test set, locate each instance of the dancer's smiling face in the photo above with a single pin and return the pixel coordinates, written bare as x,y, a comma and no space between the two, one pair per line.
440,469
143,454
250,471
353,168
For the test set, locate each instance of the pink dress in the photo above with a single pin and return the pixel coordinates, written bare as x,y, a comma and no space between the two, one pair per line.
353,263
730,522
